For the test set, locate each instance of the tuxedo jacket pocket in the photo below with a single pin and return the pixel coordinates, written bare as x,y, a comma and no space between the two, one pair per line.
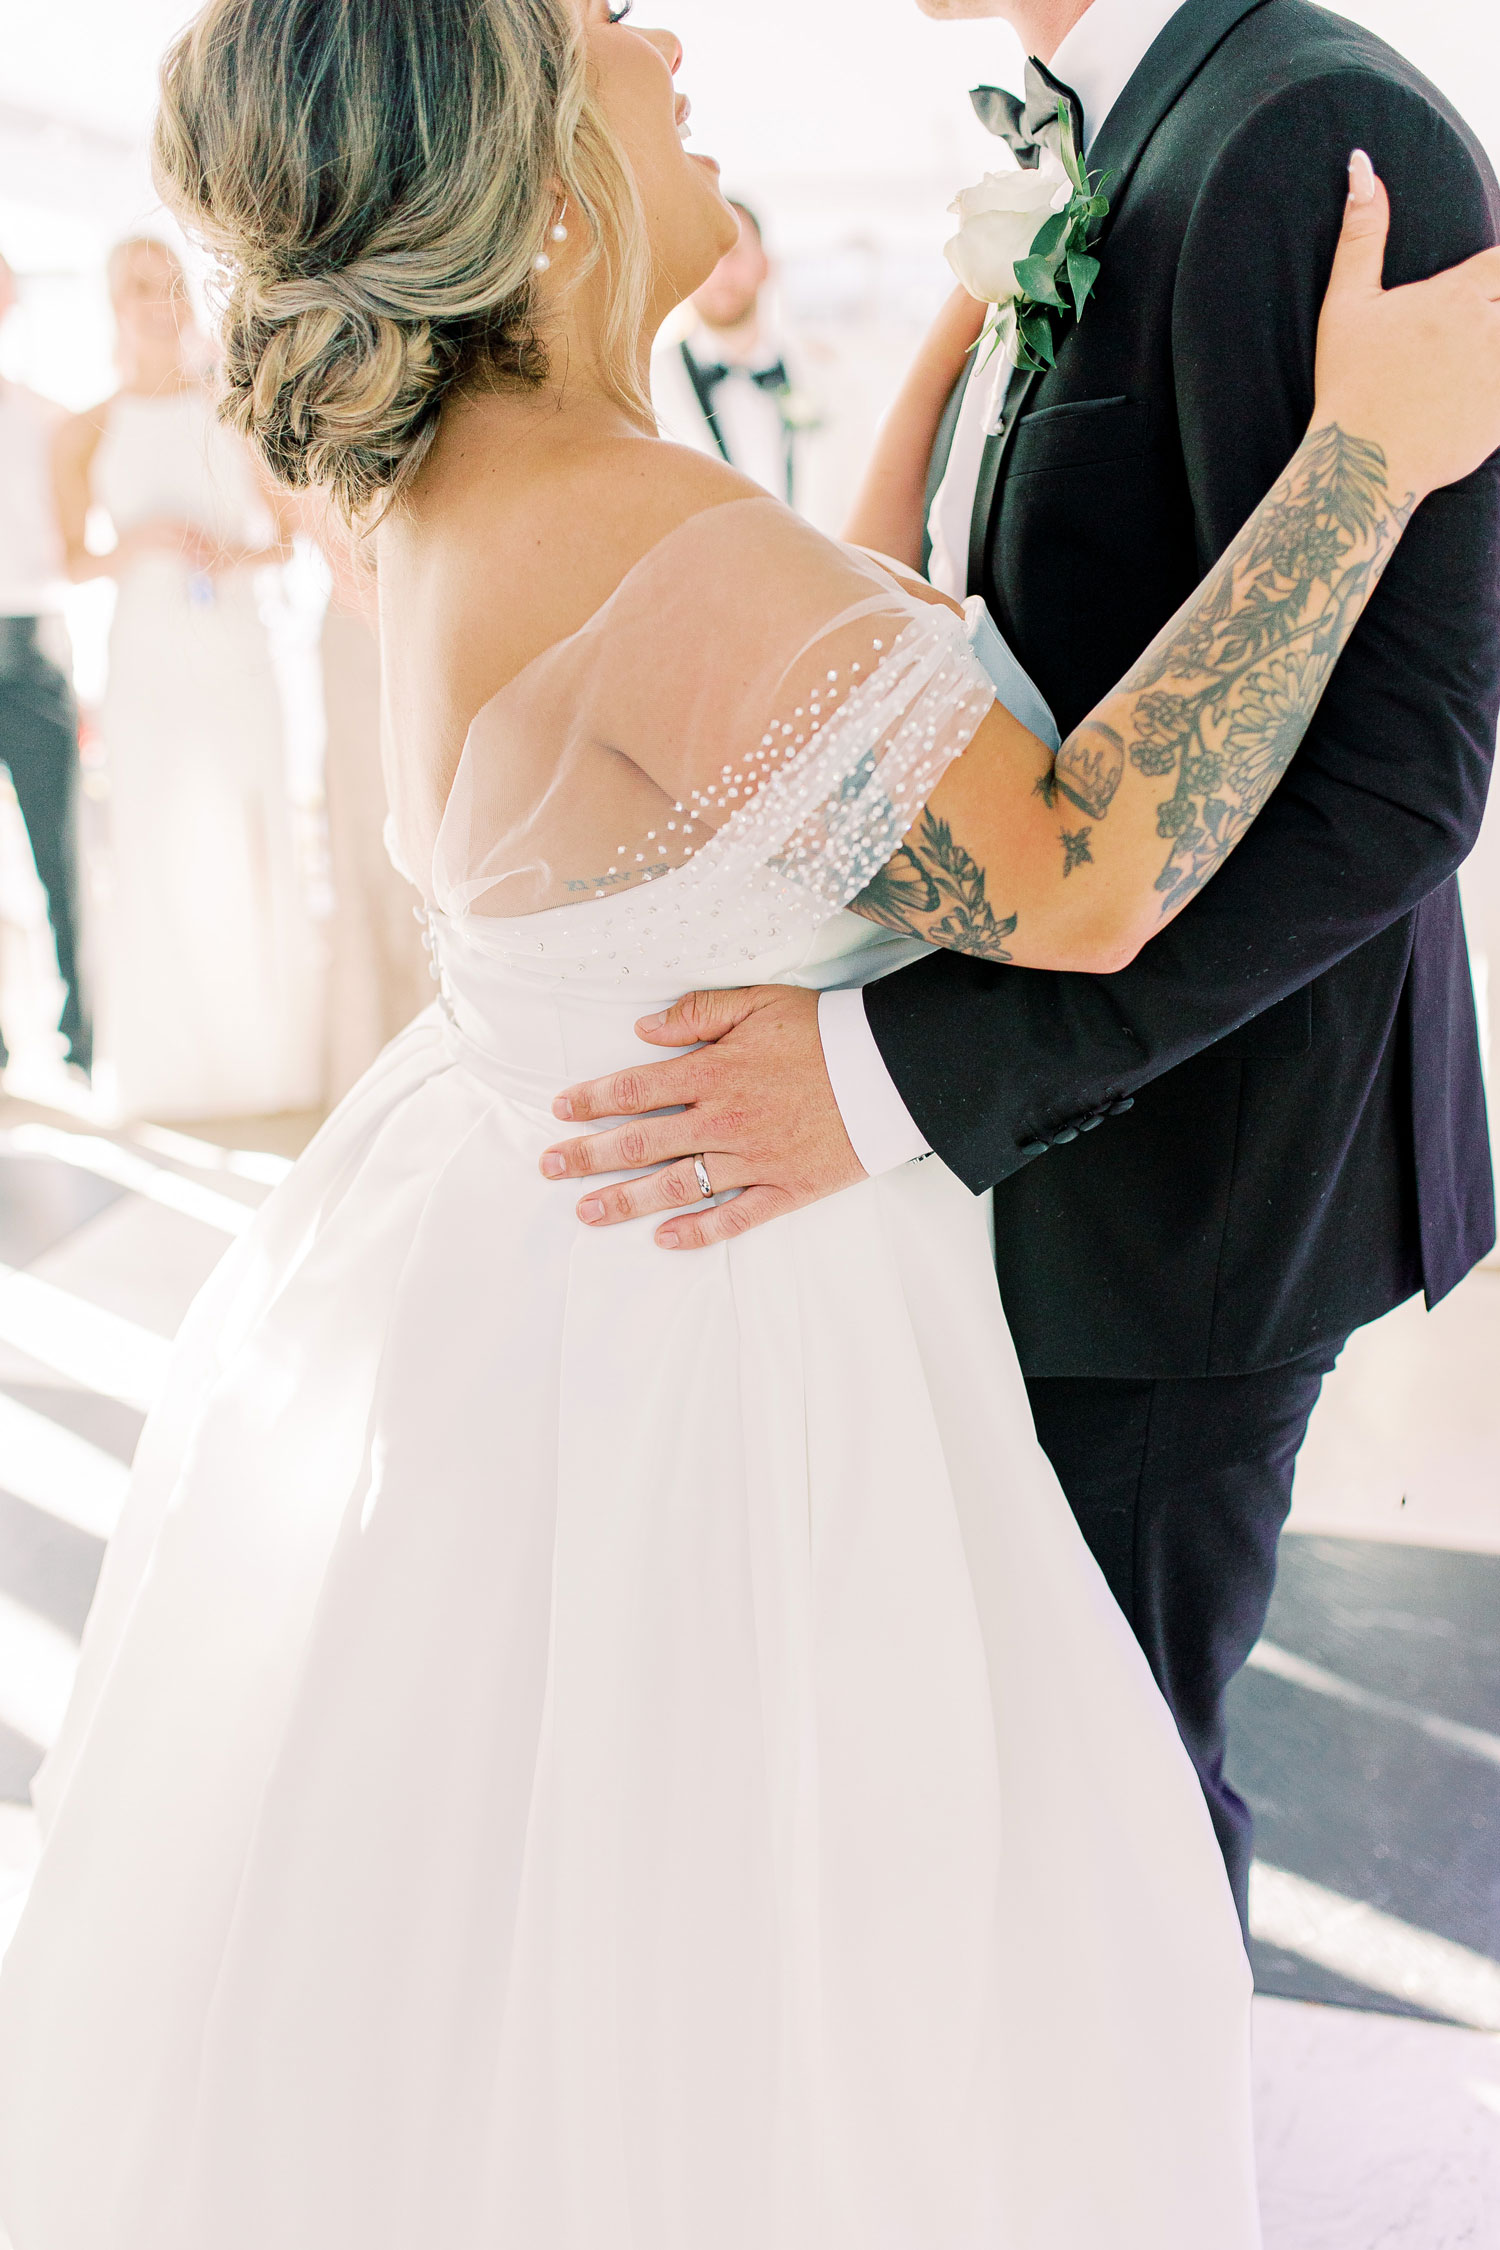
1080,434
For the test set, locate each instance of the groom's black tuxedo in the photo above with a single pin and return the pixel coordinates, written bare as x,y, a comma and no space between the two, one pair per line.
1308,1146
1322,1163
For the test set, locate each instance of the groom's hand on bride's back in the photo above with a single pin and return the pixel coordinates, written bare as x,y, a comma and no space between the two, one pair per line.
753,1105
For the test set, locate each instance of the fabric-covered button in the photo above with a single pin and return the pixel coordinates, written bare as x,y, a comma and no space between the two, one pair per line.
1035,1148
1118,1109
1068,1133
1087,1124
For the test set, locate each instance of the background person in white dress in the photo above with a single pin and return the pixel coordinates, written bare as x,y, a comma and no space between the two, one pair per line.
38,720
208,1004
728,383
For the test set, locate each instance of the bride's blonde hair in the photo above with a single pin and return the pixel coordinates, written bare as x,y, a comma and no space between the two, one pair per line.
376,179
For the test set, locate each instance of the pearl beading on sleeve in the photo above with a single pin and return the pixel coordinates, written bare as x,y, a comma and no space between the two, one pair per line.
772,846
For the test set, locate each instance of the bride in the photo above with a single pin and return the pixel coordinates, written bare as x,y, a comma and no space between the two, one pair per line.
582,1748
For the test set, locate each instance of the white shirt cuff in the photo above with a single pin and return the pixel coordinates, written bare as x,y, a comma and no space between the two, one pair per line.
879,1124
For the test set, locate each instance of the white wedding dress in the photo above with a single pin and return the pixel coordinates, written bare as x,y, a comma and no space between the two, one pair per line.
208,972
587,1748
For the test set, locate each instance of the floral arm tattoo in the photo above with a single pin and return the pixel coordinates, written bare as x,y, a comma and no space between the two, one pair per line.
931,876
1214,711
1223,698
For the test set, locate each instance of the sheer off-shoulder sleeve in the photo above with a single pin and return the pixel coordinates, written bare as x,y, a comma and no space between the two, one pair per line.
754,700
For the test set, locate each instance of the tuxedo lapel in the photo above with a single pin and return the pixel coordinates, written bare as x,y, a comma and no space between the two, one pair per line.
937,467
991,463
1169,65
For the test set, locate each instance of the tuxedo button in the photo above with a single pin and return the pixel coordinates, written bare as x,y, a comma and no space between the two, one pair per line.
1068,1133
1035,1148
1118,1109
1087,1124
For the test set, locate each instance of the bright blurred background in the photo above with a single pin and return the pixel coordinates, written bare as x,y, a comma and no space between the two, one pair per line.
845,123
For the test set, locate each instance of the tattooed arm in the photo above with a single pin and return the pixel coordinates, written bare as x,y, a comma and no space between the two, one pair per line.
1075,861
1152,792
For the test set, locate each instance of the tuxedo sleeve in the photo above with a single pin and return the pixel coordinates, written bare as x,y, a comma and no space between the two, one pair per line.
1384,799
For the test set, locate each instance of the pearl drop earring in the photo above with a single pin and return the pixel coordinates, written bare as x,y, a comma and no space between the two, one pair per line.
557,233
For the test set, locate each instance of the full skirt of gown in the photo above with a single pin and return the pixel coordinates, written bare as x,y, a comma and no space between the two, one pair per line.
586,1748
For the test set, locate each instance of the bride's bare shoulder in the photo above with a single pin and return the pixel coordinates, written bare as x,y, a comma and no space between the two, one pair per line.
681,480
646,491
508,558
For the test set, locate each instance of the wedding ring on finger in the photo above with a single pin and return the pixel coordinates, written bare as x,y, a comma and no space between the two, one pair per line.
705,1184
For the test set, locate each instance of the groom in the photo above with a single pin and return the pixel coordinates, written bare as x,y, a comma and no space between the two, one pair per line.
1305,1143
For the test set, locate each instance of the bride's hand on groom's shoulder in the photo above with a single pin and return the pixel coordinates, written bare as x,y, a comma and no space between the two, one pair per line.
1415,368
751,1103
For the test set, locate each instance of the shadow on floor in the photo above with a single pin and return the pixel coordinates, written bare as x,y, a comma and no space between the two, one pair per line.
1367,1802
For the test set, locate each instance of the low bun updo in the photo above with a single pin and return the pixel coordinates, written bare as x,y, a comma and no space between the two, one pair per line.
375,179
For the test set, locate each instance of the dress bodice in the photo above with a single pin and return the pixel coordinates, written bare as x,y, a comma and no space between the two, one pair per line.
535,1003
689,791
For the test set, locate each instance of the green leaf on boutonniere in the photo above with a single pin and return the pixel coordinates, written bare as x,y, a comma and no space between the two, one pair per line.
1072,163
1083,272
1036,277
1049,237
1036,336
1060,259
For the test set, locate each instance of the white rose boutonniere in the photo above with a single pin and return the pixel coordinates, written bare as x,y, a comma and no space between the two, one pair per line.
997,223
1023,238
798,411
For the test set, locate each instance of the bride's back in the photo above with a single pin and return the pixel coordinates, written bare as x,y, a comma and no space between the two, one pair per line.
447,240
517,531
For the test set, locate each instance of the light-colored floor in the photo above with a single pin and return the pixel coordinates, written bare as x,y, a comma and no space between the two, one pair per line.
1406,1441
1375,2132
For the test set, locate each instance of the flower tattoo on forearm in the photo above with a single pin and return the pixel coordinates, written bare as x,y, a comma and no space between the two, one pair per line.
1216,708
1223,699
932,874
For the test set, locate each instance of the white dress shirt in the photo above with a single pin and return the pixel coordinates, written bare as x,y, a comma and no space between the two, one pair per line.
1098,58
750,418
31,548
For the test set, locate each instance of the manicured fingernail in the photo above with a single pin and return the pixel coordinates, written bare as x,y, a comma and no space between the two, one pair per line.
1361,178
562,1107
652,1023
554,1165
668,1238
591,1210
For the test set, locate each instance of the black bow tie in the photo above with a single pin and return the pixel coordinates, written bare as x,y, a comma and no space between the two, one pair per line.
714,372
1036,123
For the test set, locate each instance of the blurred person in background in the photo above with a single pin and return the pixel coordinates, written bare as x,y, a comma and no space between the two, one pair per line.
731,385
207,1000
38,721
378,976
